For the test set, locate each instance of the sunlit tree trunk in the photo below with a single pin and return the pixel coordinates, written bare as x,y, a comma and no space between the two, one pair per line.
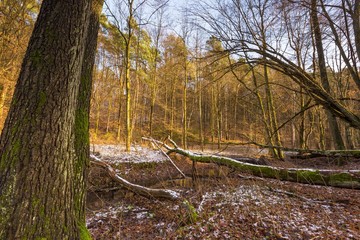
235,109
218,111
82,118
274,134
264,119
212,114
166,111
302,140
200,108
44,144
184,113
120,108
128,96
172,109
273,126
108,117
3,97
97,119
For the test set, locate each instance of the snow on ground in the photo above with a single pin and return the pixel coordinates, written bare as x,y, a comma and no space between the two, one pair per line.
235,212
255,210
137,154
287,217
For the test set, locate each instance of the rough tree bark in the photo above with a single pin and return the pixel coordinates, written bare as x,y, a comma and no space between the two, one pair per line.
42,152
82,114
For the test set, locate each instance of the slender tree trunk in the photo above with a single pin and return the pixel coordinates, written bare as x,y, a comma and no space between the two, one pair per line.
97,121
302,140
212,114
349,137
333,125
121,89
275,135
166,108
356,26
172,110
108,117
128,42
153,89
226,117
184,117
322,145
236,112
43,154
128,96
218,115
310,128
201,130
264,120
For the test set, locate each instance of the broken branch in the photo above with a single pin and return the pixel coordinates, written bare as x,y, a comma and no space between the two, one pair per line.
144,191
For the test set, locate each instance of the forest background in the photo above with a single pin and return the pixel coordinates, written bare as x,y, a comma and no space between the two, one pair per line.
208,72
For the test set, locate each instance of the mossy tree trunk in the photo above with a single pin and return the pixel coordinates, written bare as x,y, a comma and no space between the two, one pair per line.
336,178
82,117
44,143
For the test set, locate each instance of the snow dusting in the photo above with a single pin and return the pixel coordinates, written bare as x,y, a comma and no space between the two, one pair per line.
137,154
227,208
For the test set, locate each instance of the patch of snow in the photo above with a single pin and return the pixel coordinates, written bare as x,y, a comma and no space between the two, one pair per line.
141,215
137,154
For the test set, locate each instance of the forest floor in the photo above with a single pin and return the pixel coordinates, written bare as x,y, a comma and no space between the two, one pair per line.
221,203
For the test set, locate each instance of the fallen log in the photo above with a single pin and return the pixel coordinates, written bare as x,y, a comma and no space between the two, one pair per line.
312,153
141,190
335,178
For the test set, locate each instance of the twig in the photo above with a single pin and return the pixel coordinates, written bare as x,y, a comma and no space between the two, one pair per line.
167,156
157,141
172,141
291,194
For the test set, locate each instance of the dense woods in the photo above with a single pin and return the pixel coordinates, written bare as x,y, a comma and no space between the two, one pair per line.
283,75
286,78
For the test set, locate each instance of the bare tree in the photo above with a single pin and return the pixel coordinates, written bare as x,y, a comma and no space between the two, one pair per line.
231,23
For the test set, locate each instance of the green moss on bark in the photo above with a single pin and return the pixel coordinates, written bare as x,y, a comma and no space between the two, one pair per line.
84,232
36,58
41,101
309,176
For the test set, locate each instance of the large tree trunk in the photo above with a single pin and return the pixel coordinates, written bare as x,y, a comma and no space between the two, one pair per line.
42,156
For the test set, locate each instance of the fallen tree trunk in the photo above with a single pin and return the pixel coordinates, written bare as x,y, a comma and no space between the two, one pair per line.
312,153
144,191
336,178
